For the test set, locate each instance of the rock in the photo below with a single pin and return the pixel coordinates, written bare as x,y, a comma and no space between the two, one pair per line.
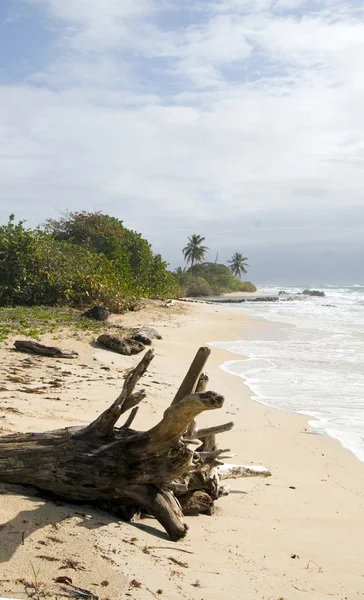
142,337
126,346
148,332
99,313
168,304
313,293
136,306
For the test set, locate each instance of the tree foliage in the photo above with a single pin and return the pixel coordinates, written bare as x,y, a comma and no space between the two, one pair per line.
194,252
207,279
238,264
81,259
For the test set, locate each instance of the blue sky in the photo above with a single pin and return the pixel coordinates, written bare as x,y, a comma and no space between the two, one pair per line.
209,118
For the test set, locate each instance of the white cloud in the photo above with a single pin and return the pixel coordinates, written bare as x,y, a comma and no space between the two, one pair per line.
252,111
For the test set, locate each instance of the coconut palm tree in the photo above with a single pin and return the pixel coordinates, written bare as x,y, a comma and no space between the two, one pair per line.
238,264
194,252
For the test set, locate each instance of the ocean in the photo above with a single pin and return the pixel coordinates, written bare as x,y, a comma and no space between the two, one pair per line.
310,360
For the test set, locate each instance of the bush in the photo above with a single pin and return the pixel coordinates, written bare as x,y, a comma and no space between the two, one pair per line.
194,286
40,267
247,286
131,255
217,277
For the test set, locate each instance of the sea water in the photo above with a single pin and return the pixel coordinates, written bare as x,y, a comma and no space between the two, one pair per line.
310,360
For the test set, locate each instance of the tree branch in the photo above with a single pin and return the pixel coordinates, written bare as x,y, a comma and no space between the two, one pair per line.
176,419
104,424
189,383
203,433
200,387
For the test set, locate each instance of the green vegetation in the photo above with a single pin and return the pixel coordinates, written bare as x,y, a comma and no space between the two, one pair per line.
86,258
210,279
82,259
238,264
194,252
37,320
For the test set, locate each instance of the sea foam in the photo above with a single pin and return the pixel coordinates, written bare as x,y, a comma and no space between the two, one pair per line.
310,362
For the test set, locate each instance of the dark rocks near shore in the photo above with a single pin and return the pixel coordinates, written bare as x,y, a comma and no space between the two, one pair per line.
99,313
304,293
152,333
247,299
313,293
145,335
126,346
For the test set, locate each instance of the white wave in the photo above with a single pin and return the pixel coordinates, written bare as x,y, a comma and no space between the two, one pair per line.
315,367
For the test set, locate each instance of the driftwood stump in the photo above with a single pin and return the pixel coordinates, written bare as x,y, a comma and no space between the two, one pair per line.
126,471
35,348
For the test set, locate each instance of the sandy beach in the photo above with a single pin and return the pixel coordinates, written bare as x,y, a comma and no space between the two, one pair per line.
298,534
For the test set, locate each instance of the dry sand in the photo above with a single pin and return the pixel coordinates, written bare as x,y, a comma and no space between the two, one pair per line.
298,534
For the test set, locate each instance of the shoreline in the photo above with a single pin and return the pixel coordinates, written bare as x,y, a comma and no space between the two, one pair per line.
312,503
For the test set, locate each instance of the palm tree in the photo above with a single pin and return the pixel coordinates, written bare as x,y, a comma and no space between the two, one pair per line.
238,264
194,252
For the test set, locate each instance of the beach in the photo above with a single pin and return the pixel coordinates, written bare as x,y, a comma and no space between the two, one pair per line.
297,534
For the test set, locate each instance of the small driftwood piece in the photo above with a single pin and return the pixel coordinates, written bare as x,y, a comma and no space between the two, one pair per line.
124,471
35,348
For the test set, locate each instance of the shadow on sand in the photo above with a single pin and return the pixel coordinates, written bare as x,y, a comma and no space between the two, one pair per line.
48,513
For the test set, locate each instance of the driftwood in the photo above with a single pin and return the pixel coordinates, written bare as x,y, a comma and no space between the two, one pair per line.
35,348
126,471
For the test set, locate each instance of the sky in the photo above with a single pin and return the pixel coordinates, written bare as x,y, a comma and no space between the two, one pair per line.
239,120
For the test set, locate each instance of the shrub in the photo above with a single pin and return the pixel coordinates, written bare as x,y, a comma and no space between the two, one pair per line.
218,277
131,255
194,286
39,267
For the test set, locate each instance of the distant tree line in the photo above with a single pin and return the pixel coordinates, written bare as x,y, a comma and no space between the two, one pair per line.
207,278
84,258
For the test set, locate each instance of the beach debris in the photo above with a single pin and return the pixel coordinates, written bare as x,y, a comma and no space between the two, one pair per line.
145,335
36,348
99,313
63,579
180,563
17,379
294,556
142,337
128,472
126,346
77,592
228,471
198,502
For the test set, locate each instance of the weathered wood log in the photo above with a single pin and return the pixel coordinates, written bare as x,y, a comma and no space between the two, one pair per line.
200,387
35,348
197,502
203,433
122,470
238,471
190,381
